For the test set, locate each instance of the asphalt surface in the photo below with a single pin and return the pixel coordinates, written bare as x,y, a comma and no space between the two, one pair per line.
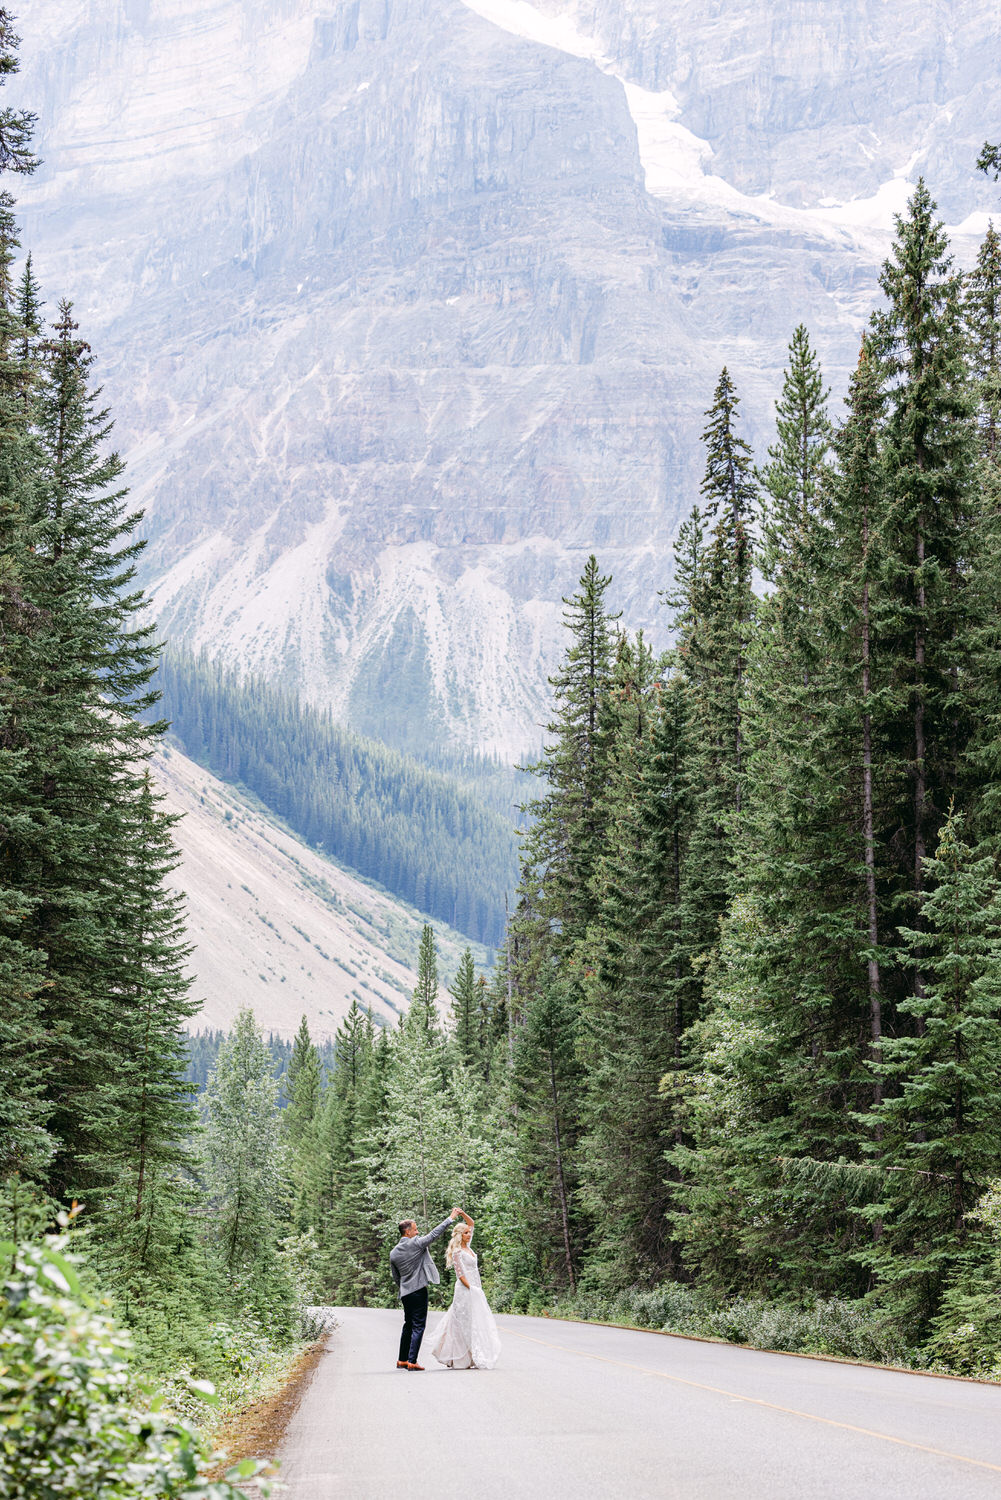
578,1410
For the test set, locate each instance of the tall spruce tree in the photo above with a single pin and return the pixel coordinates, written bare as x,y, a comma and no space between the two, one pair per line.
982,310
345,1229
17,126
465,1010
714,609
425,997
302,1087
568,832
938,1126
546,1084
246,1170
86,749
418,1172
929,454
791,480
25,1144
146,1157
641,997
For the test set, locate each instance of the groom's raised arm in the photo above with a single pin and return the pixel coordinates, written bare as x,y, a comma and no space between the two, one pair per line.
432,1234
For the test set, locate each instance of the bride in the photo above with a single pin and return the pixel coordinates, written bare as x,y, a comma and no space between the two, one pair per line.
466,1338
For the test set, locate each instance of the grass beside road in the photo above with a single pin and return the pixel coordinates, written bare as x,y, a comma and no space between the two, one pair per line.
256,1428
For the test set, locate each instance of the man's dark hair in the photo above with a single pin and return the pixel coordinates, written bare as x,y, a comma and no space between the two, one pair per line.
405,1225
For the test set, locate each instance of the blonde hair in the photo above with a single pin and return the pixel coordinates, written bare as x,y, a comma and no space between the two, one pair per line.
455,1243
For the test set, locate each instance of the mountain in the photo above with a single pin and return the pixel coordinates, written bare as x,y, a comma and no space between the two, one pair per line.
404,306
423,836
277,927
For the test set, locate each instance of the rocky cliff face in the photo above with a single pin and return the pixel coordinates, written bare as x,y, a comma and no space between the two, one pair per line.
404,306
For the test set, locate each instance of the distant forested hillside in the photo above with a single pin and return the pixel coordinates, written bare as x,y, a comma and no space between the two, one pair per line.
431,842
203,1048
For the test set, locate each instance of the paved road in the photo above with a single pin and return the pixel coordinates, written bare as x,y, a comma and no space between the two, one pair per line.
579,1411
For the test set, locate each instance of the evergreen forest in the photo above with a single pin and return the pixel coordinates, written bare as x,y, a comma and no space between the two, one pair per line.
737,1069
425,837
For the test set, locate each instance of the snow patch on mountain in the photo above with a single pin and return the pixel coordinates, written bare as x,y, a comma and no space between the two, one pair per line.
403,307
676,162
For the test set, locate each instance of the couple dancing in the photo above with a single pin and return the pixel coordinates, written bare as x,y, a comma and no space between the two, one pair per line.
466,1338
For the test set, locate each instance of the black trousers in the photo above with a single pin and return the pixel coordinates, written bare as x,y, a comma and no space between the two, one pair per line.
415,1316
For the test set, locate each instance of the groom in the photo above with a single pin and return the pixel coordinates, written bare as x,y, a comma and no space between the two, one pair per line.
413,1269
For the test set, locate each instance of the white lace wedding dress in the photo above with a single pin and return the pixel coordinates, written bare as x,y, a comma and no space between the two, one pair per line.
467,1337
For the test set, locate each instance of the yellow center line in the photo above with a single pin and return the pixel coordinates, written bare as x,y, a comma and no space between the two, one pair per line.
789,1411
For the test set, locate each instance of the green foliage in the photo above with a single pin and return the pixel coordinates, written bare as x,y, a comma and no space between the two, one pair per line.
246,1169
966,1334
546,1081
939,1122
989,160
433,843
792,479
16,125
69,1422
642,991
740,1056
202,1053
465,1010
827,1326
569,826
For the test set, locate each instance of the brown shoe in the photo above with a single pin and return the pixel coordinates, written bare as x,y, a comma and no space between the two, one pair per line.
401,1364
415,1367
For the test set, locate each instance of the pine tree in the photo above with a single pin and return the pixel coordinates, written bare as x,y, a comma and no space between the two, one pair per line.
376,1288
146,1157
425,997
25,1144
346,1229
982,310
989,160
84,744
246,1164
722,1210
791,480
716,659
929,455
465,1010
418,1172
16,125
714,608
568,831
302,1087
546,1081
639,993
939,1125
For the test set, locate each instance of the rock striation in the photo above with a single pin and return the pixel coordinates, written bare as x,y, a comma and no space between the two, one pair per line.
275,926
405,306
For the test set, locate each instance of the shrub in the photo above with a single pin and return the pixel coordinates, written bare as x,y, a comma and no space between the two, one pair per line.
849,1329
69,1423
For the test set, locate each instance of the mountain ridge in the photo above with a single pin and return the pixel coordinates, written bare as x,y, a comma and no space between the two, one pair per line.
403,312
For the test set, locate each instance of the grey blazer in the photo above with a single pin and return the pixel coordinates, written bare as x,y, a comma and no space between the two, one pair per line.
410,1263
